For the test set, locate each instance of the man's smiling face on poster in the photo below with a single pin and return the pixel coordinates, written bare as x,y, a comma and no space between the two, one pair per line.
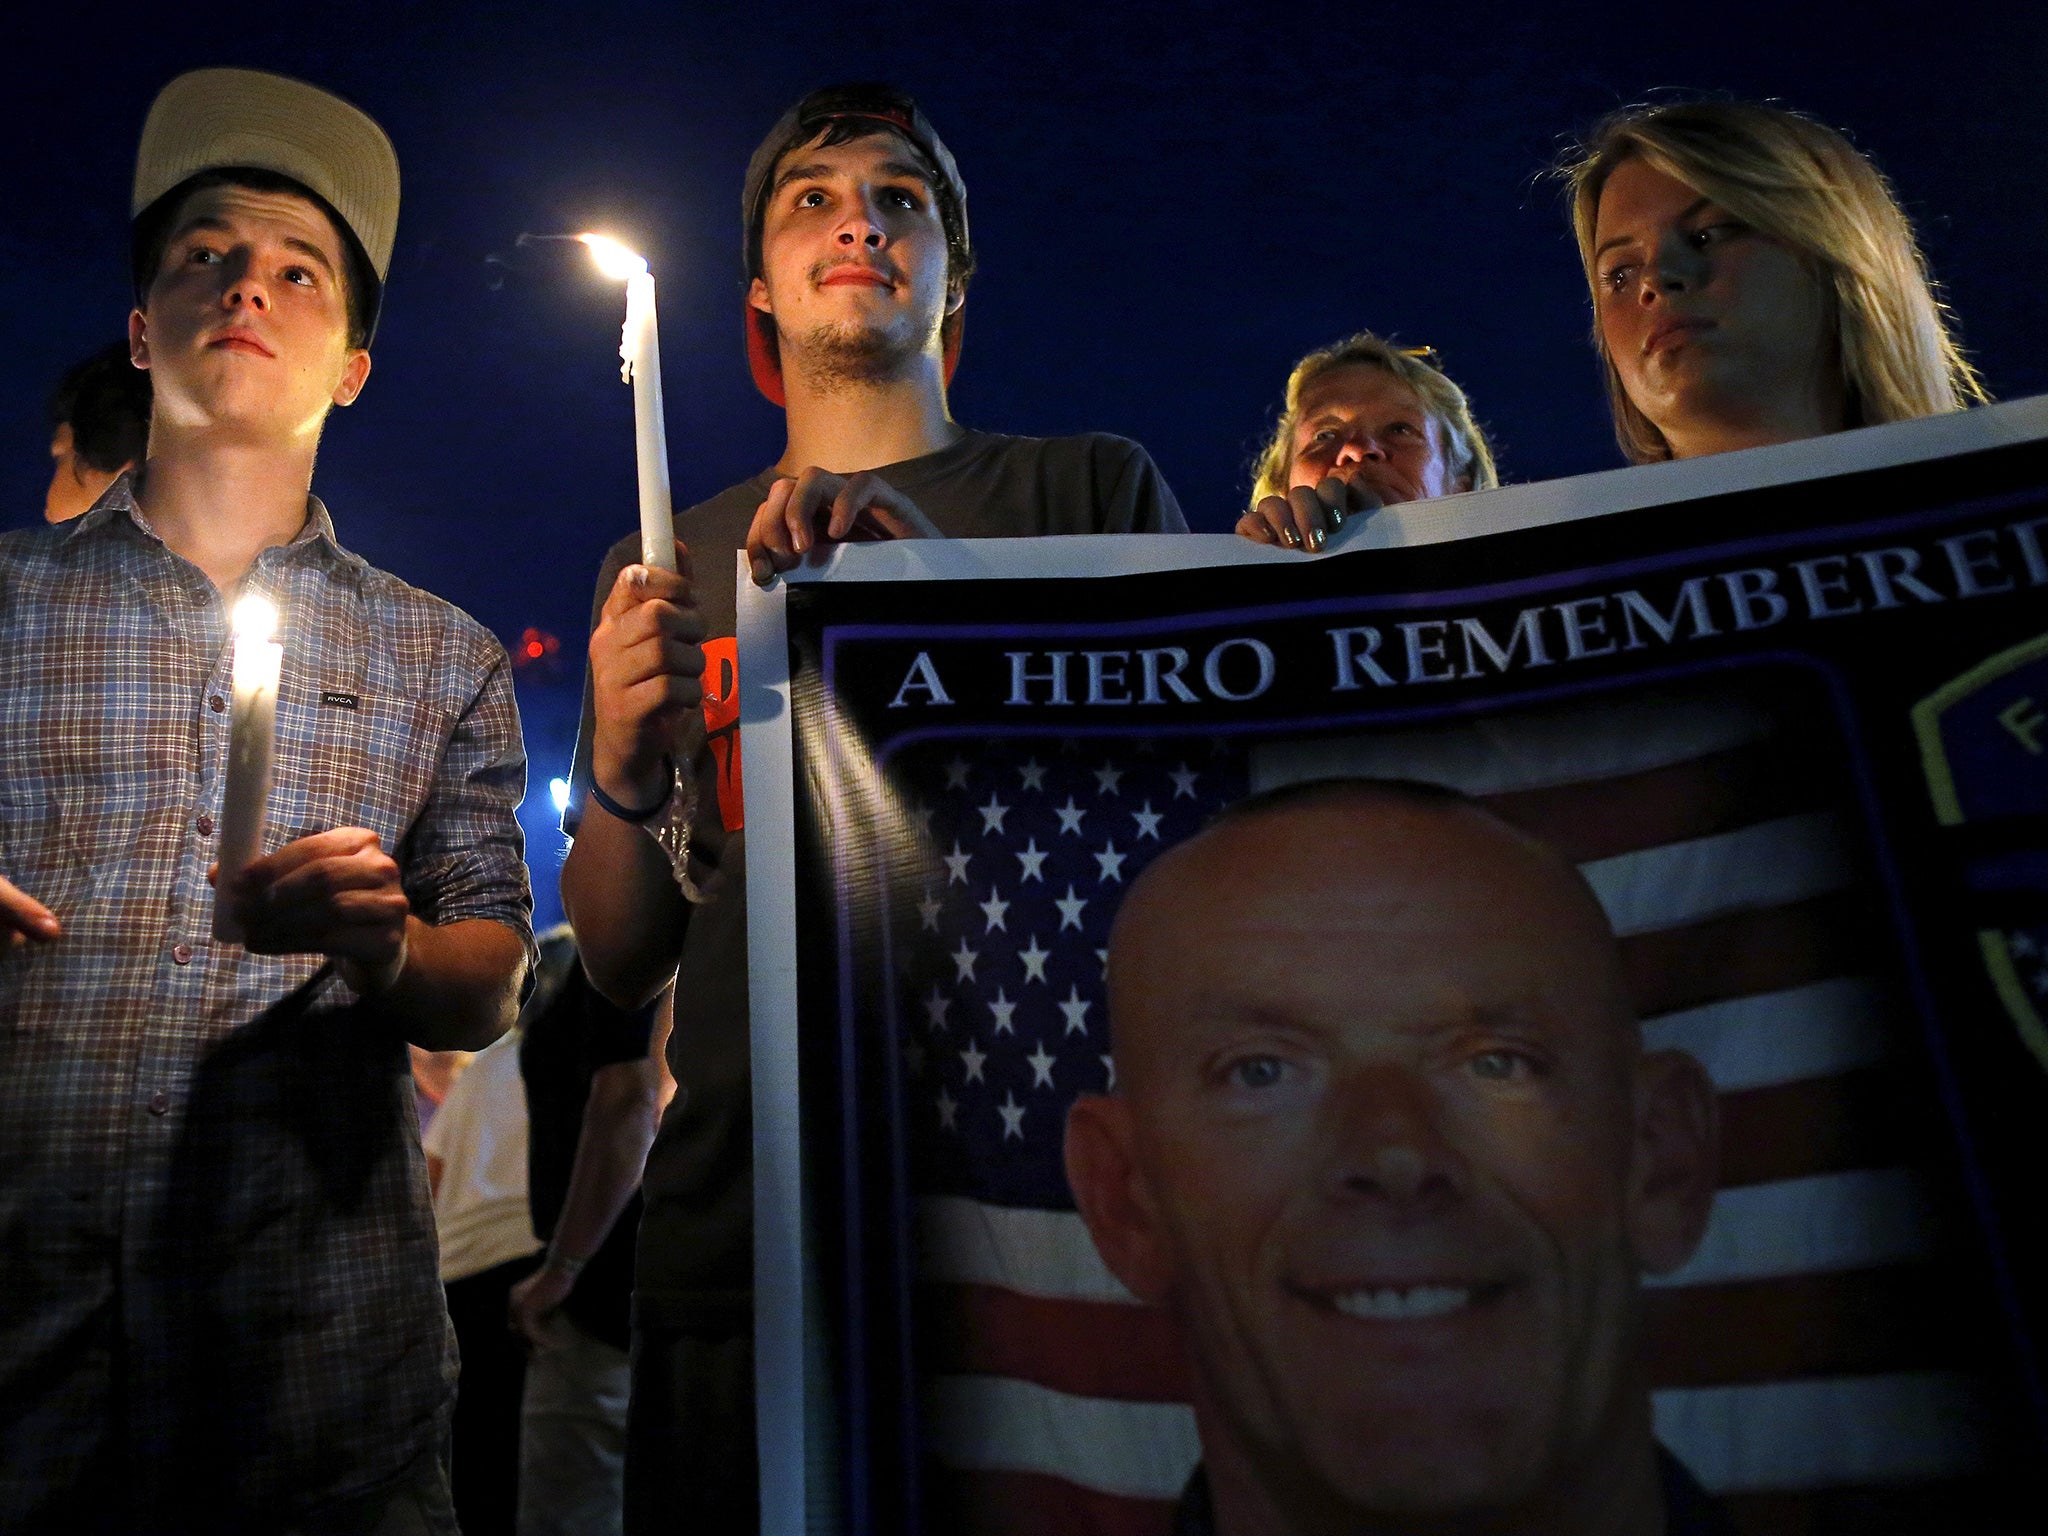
1386,1144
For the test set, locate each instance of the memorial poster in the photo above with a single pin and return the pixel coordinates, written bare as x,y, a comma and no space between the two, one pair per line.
1786,715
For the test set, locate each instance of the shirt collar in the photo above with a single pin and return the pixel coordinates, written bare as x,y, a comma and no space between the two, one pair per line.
319,532
117,505
116,501
1689,1510
1195,1514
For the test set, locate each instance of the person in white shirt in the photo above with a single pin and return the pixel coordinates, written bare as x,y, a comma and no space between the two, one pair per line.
476,1149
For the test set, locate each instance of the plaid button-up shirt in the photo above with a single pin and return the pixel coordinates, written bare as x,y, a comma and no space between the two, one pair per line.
218,1291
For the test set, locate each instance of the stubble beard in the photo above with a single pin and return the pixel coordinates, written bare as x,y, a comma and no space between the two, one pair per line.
835,358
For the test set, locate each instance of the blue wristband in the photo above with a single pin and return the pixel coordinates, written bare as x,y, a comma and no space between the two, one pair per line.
624,813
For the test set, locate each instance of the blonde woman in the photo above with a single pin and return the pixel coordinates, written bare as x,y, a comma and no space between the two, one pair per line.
1754,281
1364,424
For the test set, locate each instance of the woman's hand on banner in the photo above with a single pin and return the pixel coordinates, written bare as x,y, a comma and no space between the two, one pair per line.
1306,516
817,507
646,673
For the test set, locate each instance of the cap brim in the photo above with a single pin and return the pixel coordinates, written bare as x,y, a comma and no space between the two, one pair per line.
220,119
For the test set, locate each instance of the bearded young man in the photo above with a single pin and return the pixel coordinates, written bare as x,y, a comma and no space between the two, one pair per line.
220,1308
858,258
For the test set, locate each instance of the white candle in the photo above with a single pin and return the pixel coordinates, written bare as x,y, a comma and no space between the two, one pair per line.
640,352
252,725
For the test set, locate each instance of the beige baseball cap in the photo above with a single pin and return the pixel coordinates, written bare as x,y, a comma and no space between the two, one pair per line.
218,119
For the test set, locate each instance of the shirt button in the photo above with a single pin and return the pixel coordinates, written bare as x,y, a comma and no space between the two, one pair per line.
216,703
159,1103
205,825
182,953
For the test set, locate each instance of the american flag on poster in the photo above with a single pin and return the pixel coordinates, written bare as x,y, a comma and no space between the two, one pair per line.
1804,1364
1056,1400
1031,850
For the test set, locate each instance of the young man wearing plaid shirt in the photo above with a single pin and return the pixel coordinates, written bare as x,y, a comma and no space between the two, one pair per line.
219,1309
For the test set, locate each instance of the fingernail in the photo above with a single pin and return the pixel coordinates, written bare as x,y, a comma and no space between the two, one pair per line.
1337,516
638,576
1291,539
1315,538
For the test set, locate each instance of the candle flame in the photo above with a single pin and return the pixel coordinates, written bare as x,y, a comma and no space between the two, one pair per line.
613,259
254,618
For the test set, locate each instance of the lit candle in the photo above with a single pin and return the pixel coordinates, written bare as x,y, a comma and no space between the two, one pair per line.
640,350
251,726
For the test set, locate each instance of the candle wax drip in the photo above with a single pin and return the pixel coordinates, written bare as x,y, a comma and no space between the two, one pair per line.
639,292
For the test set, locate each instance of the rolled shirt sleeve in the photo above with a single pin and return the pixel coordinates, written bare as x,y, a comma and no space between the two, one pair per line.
465,856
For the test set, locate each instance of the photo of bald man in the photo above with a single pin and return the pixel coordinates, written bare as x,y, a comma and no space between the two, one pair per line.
1385,1143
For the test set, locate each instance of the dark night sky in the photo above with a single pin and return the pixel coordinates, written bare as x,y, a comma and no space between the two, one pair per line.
1170,204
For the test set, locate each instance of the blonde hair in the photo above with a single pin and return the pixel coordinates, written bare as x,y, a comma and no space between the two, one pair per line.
1465,446
1805,185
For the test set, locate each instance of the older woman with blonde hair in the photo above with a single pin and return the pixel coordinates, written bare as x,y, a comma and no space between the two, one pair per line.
1364,424
1754,281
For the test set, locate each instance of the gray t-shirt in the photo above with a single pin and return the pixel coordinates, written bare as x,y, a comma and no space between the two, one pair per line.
696,1231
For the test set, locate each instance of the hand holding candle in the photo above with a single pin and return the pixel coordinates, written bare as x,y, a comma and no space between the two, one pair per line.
640,349
251,730
335,893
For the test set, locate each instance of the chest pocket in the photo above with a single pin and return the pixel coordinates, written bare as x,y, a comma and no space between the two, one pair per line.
351,755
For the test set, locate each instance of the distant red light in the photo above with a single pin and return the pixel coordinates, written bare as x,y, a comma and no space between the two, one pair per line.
536,645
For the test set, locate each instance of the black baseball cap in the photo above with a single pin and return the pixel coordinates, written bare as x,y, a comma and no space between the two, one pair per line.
890,109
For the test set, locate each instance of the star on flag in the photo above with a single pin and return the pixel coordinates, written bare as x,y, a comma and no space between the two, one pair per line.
989,1107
